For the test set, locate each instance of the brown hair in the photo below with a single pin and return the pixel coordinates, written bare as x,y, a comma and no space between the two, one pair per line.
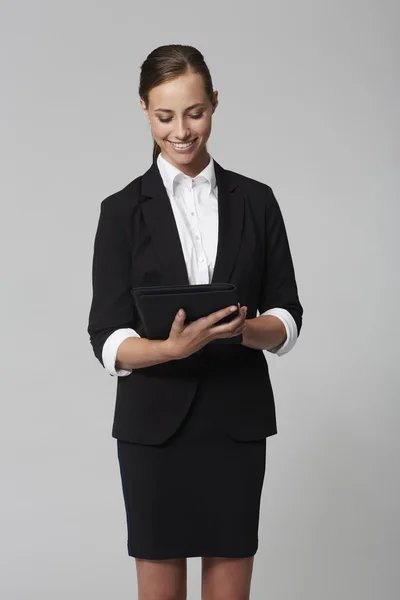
167,62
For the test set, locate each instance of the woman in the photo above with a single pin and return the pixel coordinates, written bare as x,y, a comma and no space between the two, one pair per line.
191,418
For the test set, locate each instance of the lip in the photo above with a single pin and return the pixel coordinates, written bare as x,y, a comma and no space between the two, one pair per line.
183,150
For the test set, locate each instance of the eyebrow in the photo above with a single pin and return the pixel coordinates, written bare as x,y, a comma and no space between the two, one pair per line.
188,108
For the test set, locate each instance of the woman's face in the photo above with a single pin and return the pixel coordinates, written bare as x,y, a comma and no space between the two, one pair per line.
180,111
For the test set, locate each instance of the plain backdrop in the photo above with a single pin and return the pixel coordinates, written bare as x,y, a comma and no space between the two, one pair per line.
309,104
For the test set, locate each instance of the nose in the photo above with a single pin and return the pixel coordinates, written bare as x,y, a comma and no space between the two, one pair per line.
182,131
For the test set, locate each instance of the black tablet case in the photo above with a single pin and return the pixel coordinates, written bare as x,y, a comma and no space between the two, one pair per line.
158,305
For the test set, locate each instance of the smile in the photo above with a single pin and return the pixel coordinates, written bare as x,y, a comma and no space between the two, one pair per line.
186,145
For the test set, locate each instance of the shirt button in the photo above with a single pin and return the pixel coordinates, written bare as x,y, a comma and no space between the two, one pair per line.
192,213
201,258
197,237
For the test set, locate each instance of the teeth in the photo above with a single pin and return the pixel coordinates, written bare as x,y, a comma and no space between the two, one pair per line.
183,145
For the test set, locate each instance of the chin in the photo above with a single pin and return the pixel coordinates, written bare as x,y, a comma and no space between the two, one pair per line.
182,157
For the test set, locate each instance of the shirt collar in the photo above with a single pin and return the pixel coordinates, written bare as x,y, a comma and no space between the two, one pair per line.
171,175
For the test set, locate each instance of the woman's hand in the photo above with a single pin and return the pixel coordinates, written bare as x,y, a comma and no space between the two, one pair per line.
184,340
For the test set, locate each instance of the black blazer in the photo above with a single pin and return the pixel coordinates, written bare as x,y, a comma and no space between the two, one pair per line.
137,243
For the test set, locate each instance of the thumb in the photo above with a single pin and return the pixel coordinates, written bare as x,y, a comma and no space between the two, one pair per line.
178,323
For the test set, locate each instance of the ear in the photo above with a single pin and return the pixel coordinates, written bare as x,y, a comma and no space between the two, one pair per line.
143,105
215,100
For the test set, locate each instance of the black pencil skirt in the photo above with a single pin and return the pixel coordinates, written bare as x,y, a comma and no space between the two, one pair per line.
197,494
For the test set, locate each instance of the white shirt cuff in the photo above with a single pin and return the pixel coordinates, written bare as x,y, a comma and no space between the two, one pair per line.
110,347
290,326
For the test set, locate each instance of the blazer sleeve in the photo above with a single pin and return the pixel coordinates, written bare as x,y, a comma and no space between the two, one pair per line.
112,305
278,286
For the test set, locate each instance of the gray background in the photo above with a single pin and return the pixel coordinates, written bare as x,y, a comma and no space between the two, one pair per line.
309,103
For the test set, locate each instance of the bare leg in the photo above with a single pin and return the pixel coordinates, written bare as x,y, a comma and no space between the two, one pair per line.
161,579
226,578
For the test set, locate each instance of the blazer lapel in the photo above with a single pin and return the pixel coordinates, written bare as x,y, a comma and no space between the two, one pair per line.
160,220
230,223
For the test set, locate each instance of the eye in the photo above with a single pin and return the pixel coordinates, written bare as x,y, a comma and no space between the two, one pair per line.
168,119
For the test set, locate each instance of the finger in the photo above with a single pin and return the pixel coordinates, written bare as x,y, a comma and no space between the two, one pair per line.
178,322
219,314
219,332
225,328
238,319
237,331
233,323
234,329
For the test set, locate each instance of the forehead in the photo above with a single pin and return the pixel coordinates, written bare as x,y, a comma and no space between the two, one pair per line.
179,93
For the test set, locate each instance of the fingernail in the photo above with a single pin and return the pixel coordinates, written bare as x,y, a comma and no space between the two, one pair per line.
180,312
233,308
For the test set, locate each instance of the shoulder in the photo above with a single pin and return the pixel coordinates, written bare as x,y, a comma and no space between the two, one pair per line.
256,191
123,201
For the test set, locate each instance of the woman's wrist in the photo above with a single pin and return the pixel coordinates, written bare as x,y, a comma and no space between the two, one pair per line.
263,333
137,353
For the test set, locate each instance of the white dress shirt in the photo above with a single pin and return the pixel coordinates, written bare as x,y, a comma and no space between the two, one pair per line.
195,206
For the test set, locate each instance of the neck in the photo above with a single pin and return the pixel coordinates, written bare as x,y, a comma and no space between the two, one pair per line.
195,167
